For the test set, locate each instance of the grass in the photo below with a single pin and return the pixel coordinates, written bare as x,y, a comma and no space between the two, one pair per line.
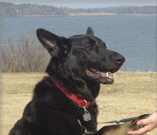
132,94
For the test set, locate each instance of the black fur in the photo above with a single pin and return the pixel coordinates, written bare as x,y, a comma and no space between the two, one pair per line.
50,112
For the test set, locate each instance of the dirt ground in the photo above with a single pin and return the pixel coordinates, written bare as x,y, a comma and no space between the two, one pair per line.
132,94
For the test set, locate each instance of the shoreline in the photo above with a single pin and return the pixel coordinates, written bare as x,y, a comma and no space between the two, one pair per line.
103,14
76,14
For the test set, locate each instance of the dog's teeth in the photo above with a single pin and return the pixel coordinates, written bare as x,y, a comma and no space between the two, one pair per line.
111,76
107,74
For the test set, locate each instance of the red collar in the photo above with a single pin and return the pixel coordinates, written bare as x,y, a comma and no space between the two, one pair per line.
73,97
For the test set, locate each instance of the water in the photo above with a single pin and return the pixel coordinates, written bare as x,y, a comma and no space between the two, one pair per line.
133,36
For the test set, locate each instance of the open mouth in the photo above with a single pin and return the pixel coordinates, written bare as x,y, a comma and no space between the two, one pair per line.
102,77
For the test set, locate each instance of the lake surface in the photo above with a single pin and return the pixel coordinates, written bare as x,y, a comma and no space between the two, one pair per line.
133,36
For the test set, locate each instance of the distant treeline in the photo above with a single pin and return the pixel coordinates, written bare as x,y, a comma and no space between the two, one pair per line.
122,10
29,10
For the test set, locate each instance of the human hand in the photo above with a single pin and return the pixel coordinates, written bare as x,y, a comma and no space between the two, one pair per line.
149,124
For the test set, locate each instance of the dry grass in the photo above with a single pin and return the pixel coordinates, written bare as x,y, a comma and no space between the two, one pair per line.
133,93
24,55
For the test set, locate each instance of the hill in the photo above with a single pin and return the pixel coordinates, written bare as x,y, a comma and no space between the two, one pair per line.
34,10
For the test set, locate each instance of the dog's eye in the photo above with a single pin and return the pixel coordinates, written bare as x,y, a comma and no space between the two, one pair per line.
89,42
92,47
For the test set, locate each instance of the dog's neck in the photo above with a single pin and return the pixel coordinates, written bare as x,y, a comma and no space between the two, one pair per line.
83,88
79,101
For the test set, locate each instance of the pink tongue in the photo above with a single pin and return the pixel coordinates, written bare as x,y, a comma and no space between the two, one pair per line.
103,74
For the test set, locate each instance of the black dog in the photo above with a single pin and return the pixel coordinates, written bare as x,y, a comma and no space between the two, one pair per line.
64,102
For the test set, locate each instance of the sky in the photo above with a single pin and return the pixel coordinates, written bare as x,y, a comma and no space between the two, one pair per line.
87,3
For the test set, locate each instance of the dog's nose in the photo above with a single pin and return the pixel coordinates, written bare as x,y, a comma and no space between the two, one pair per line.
119,59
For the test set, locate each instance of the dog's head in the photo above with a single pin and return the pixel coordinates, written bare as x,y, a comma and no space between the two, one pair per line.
81,59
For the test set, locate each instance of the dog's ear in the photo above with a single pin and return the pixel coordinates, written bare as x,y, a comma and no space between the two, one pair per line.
90,31
53,43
